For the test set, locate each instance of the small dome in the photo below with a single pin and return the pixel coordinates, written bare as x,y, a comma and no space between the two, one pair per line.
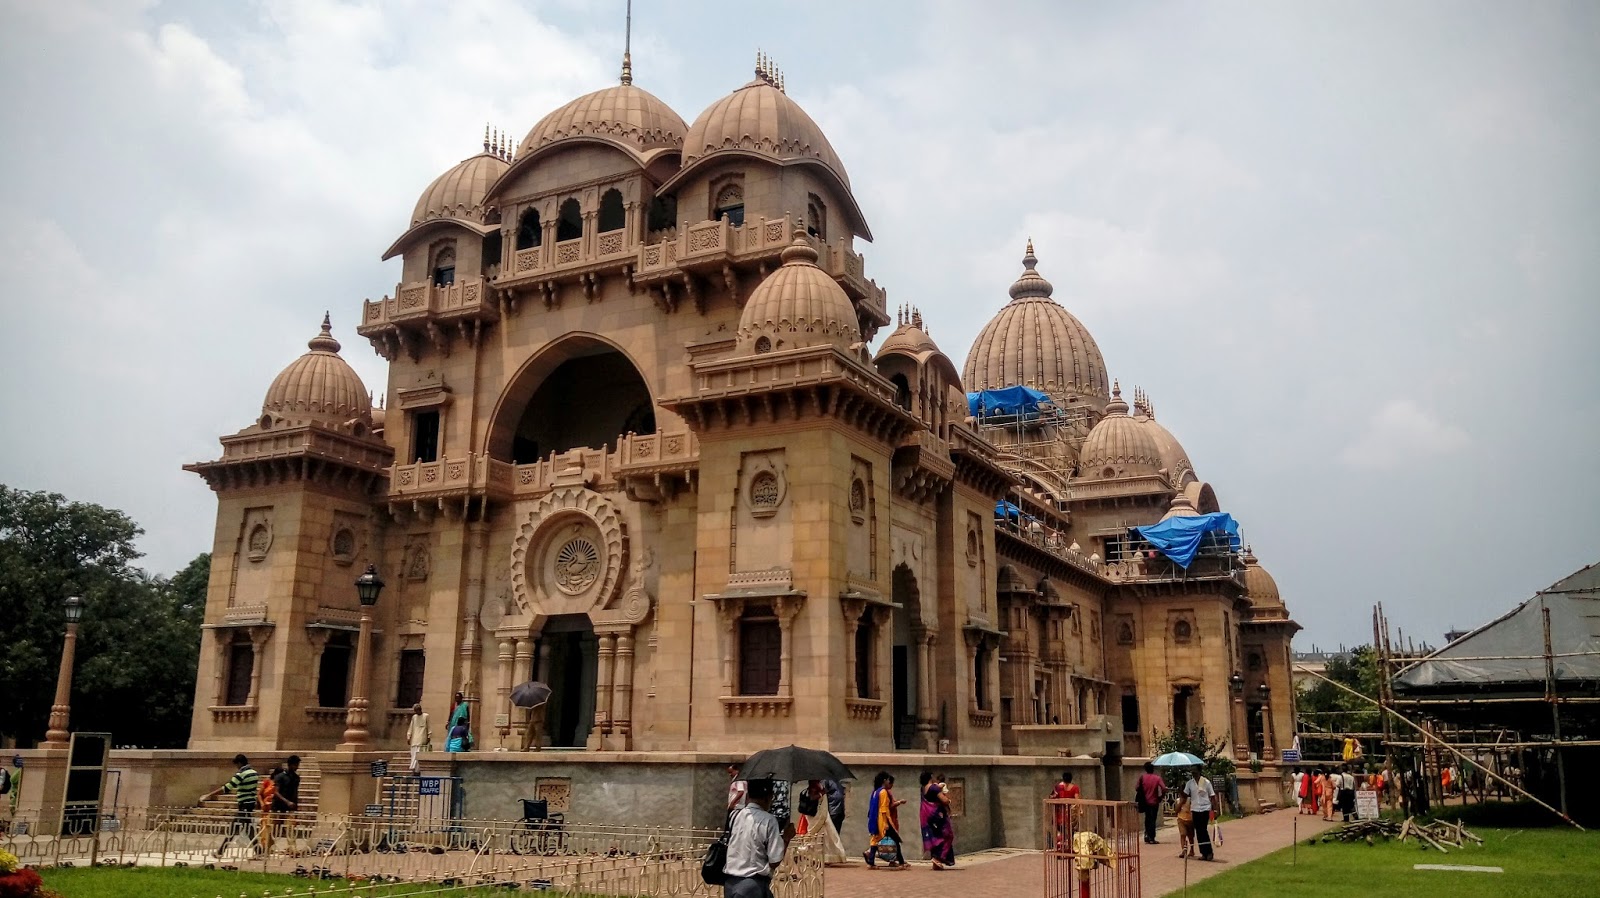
1259,587
1182,507
1033,341
760,118
909,337
1173,457
798,305
1118,446
318,386
622,114
459,192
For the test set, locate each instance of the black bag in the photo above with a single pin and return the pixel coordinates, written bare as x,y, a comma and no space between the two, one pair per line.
808,804
716,857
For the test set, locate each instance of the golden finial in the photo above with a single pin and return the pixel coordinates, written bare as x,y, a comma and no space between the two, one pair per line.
627,47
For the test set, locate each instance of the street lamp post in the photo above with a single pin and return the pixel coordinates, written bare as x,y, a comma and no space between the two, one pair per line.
57,735
1241,729
356,737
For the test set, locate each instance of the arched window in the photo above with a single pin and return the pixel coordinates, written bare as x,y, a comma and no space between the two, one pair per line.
816,217
902,391
730,203
569,225
444,266
612,215
663,212
529,231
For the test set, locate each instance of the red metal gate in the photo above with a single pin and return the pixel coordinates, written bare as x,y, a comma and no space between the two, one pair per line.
1091,849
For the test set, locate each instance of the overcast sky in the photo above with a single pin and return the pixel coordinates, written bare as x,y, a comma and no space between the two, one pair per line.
1352,250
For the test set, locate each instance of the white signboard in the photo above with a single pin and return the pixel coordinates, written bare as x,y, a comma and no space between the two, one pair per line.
1366,805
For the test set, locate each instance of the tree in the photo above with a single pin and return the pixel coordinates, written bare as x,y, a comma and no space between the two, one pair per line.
139,640
1192,741
1325,708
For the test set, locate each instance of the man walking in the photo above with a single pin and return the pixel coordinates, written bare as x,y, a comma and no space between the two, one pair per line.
755,846
287,799
1150,791
419,734
243,785
1200,794
835,803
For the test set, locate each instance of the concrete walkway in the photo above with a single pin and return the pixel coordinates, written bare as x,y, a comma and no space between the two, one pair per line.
1005,871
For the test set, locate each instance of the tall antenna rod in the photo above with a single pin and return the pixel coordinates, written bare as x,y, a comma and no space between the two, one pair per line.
627,47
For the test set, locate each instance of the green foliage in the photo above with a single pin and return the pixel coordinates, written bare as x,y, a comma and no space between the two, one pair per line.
139,641
1359,672
1194,742
1547,863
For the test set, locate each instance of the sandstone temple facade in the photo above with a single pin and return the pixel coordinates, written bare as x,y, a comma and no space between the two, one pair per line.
637,444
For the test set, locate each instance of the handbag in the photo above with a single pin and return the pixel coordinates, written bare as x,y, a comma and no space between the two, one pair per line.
716,857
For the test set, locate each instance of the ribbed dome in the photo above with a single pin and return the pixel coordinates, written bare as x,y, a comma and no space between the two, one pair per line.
459,192
318,386
909,337
1035,342
1259,587
760,118
1118,446
622,114
797,305
1180,470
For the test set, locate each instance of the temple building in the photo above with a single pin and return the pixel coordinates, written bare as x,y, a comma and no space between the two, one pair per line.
637,444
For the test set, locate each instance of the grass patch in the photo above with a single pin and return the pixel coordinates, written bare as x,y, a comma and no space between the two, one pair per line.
193,882
1546,862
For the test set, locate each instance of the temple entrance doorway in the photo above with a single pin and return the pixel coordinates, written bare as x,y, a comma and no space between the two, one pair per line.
568,663
906,659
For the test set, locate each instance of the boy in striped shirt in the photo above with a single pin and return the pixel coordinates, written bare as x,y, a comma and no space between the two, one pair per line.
243,785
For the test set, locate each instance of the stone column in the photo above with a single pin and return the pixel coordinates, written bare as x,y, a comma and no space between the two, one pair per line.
852,610
630,231
622,692
1241,730
972,640
504,691
729,617
1268,750
787,610
994,678
258,648
927,723
318,637
520,674
602,683
356,736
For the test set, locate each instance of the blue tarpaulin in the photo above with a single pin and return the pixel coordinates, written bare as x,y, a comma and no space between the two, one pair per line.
1008,401
1005,510
1179,538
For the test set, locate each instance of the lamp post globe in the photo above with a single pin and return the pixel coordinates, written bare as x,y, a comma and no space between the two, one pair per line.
368,586
1236,683
57,735
356,736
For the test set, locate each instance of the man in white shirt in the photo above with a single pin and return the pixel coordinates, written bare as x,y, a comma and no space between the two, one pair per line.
755,846
1199,792
737,789
419,734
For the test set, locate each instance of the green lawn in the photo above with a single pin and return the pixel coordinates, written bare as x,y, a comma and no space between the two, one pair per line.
1546,862
193,882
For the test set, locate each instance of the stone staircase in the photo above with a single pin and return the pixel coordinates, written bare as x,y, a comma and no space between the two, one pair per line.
310,791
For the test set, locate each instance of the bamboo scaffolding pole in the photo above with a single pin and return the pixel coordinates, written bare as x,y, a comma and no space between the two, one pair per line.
1447,747
1585,743
1537,699
1555,709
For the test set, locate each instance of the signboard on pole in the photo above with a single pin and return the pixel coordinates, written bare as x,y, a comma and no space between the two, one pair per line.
428,785
1366,805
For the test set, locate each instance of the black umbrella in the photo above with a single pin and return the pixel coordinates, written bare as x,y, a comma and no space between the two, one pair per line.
793,764
530,695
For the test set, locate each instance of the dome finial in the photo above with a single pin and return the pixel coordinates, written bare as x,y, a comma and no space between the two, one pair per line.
1029,260
627,47
916,317
486,137
799,250
1032,283
324,341
1117,406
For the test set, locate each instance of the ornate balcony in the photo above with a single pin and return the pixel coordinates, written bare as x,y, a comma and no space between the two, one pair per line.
475,476
644,464
422,313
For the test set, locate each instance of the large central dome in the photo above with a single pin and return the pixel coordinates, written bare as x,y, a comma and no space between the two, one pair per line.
621,114
1034,342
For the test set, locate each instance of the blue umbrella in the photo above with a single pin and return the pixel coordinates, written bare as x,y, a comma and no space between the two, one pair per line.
1178,759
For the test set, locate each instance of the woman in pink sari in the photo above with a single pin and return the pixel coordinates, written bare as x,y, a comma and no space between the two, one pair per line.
938,835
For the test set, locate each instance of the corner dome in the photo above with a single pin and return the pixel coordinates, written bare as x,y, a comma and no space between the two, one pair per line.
1118,446
1034,342
318,386
459,192
1259,587
909,338
760,118
797,305
623,115
1180,470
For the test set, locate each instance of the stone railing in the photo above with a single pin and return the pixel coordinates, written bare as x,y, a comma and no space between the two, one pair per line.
477,474
636,454
420,301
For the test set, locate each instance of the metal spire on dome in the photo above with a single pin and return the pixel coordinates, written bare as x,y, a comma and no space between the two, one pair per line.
1031,284
627,47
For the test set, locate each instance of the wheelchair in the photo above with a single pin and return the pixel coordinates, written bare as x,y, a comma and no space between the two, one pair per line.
542,832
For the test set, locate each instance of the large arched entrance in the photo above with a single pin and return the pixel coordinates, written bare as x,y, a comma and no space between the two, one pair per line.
580,391
567,663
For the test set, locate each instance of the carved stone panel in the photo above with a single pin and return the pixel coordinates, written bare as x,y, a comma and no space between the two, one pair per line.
569,554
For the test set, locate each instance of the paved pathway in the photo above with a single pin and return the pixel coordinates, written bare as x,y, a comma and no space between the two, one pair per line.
1005,871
